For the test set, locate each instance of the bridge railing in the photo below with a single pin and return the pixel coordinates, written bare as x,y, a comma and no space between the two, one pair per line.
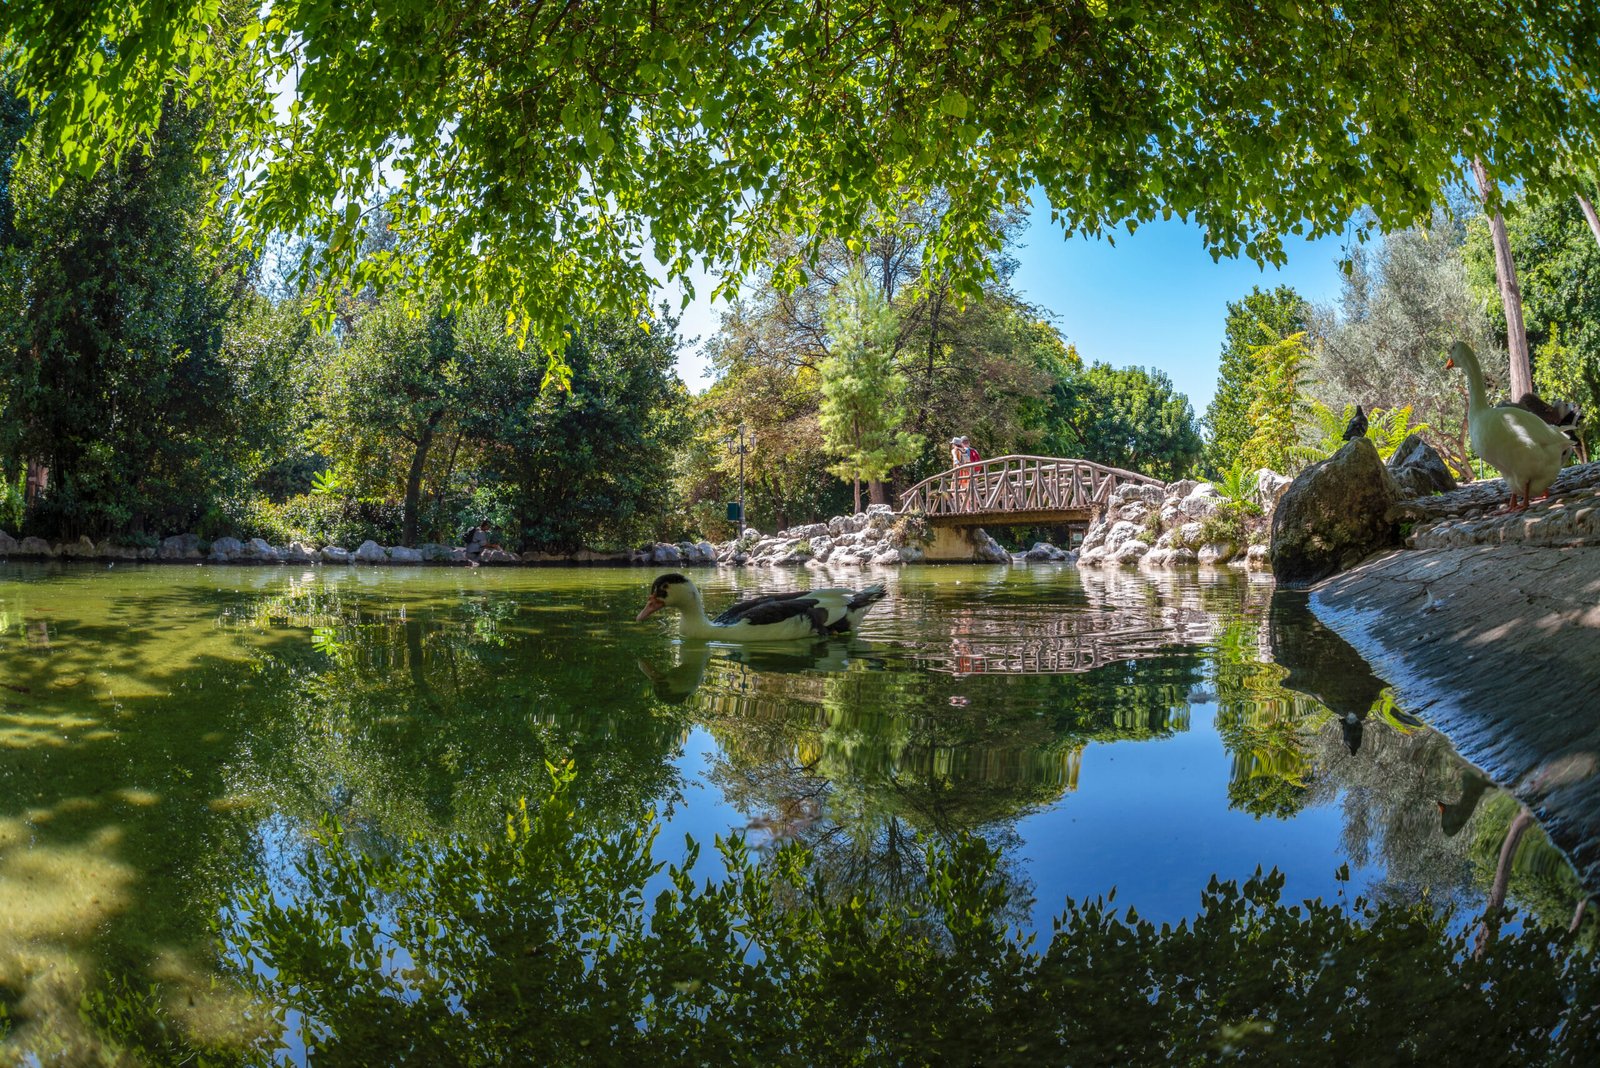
1019,484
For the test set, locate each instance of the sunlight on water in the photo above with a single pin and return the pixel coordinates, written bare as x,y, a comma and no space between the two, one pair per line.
167,734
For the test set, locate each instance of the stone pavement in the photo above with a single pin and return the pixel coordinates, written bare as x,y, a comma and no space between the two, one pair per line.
1496,642
1467,516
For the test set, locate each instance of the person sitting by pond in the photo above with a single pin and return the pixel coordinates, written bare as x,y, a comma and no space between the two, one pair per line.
480,538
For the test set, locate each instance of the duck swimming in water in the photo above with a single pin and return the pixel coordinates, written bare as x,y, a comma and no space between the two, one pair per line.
775,617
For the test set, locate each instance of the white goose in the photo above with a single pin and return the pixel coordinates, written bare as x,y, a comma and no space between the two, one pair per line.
1527,450
776,617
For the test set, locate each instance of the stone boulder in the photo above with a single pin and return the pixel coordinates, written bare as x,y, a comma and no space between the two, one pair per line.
1044,552
334,554
8,544
225,549
105,550
498,557
258,550
665,555
298,552
35,547
1269,487
180,547
1334,514
82,549
1216,552
1201,502
399,554
1419,470
370,552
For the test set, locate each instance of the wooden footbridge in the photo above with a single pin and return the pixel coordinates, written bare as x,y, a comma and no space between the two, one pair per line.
1018,491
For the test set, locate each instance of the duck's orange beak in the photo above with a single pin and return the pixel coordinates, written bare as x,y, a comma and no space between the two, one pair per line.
1449,362
651,607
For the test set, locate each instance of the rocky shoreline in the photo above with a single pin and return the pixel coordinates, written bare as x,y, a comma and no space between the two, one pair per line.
1488,626
877,537
1184,523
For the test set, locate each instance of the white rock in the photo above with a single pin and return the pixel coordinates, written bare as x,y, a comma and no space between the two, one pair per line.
333,554
1217,552
226,549
1120,534
1131,552
399,554
1269,487
370,552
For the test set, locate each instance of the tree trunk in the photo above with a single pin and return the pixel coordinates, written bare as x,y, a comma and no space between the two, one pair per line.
1505,271
855,426
419,460
1588,213
449,469
877,491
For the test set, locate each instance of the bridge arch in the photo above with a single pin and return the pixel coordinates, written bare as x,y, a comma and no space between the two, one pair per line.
1019,490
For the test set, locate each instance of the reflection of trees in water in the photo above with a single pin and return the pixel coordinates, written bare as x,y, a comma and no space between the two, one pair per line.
863,764
543,946
1433,822
1262,725
424,721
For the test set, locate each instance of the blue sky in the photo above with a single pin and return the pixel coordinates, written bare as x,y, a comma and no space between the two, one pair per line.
1154,299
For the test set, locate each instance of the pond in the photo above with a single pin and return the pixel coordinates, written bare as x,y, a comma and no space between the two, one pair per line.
171,737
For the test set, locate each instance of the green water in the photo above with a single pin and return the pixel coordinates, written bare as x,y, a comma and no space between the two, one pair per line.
170,735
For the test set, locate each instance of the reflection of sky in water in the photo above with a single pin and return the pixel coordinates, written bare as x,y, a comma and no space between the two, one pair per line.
1102,729
1167,801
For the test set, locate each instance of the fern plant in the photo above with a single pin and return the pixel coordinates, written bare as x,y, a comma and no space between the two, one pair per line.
1387,428
327,484
1237,485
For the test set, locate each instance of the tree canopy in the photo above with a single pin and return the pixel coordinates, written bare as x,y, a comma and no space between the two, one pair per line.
535,154
1260,318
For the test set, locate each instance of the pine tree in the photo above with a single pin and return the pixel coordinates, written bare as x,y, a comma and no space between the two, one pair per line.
1261,318
863,392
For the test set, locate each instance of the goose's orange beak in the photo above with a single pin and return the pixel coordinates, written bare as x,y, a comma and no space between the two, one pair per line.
651,607
1449,362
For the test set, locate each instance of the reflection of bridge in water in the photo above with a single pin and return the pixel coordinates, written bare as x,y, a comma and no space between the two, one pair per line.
1122,621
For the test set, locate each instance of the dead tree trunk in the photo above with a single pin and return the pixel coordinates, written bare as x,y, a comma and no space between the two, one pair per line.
1588,213
1505,272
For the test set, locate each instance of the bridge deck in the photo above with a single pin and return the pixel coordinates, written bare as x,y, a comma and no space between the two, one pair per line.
1018,491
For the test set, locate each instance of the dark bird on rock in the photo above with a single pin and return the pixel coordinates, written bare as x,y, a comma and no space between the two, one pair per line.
1357,427
1350,726
1561,413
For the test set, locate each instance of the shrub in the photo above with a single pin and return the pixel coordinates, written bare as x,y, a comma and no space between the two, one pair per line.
911,528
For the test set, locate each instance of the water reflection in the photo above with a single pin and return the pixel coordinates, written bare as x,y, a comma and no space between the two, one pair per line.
166,735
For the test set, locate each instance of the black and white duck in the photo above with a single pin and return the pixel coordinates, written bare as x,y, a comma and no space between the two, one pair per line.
775,617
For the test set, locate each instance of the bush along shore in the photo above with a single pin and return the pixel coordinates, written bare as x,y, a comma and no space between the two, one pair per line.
876,537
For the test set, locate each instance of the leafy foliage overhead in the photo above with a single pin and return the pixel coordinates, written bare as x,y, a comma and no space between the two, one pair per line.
532,152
